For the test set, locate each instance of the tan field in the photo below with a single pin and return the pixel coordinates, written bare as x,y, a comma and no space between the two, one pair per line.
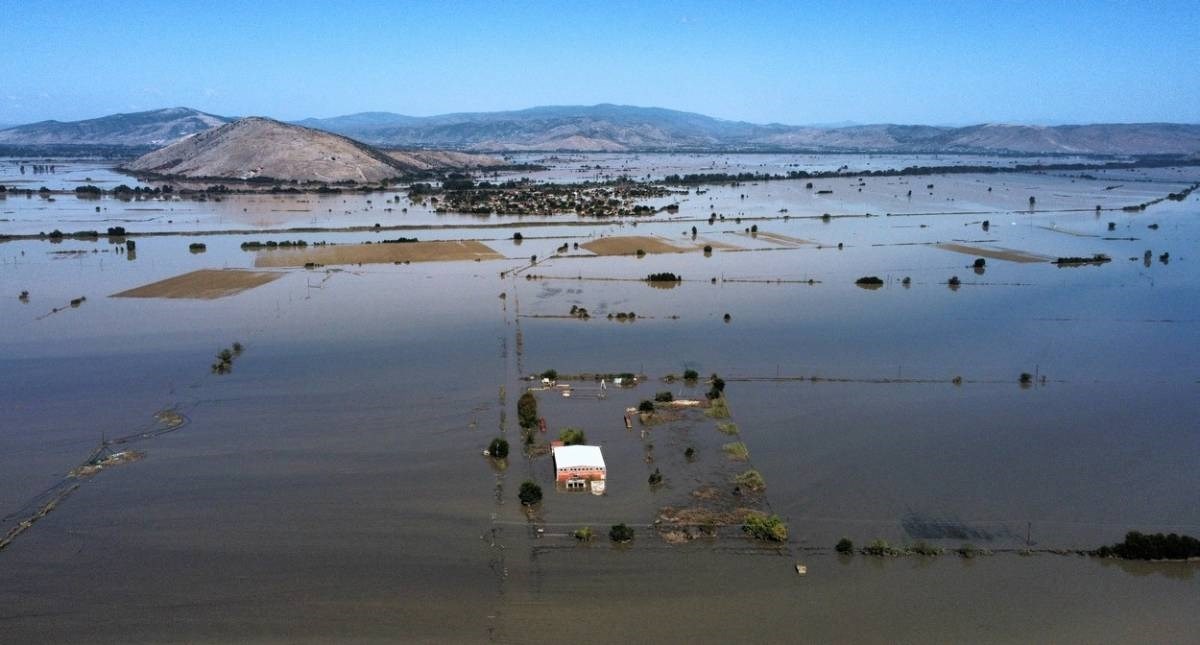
1009,255
630,244
205,284
441,251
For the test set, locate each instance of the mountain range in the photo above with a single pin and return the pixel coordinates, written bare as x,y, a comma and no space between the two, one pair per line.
608,127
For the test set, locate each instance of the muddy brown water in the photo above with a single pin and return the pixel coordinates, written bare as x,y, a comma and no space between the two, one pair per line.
331,487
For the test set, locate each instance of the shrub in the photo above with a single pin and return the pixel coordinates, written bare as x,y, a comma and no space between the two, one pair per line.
690,453
736,451
655,477
666,276
553,374
707,249
870,280
518,237
197,247
1026,378
844,545
924,548
880,548
572,437
718,409
530,493
646,406
620,533
954,281
498,448
751,480
768,528
1152,546
527,414
664,397
584,534
690,375
728,428
979,263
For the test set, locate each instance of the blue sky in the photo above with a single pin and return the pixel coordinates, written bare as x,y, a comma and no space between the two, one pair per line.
868,62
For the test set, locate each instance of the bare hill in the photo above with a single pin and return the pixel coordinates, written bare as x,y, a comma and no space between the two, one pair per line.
257,148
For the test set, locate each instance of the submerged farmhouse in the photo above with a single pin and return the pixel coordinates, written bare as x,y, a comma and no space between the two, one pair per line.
580,468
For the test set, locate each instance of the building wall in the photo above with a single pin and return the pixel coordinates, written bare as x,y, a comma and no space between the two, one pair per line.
590,474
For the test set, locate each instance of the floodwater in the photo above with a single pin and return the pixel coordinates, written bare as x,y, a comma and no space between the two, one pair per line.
331,487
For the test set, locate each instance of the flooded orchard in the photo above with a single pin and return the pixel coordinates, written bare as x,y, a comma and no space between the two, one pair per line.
328,482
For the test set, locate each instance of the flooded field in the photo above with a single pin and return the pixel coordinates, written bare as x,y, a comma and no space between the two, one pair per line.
330,484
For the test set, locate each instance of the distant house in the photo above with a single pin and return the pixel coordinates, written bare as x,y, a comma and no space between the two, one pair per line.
576,466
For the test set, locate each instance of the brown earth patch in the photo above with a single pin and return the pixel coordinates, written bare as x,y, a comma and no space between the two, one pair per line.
630,244
205,284
439,251
997,253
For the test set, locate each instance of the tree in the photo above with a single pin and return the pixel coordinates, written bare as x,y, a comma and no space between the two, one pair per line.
646,406
527,413
498,448
552,374
690,375
844,545
530,493
656,477
572,437
768,528
620,533
664,397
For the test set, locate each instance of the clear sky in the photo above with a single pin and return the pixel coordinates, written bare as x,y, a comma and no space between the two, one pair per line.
952,62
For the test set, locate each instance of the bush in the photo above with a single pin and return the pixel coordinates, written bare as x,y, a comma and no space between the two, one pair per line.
718,409
527,414
768,528
572,437
655,477
1026,378
663,277
498,448
844,545
924,548
728,428
869,281
751,480
880,548
954,281
530,493
664,397
584,534
551,374
620,533
646,406
736,451
979,263
690,375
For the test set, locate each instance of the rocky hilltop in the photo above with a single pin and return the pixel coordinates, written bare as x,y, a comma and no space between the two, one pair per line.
261,149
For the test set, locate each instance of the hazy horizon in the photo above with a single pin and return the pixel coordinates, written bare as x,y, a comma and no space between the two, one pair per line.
922,63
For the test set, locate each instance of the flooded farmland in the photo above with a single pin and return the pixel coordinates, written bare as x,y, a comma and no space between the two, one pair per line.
330,485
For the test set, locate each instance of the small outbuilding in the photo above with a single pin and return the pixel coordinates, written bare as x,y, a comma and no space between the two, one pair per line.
576,466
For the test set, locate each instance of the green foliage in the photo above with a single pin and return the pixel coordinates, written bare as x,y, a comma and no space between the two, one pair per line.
869,281
550,374
769,528
527,412
690,375
1152,546
717,386
736,451
728,428
664,397
751,480
924,548
718,409
845,546
646,406
665,276
498,448
530,493
880,548
584,534
620,533
572,437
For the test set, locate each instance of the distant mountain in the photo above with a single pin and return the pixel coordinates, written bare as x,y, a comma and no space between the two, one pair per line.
152,128
607,127
257,148
618,127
